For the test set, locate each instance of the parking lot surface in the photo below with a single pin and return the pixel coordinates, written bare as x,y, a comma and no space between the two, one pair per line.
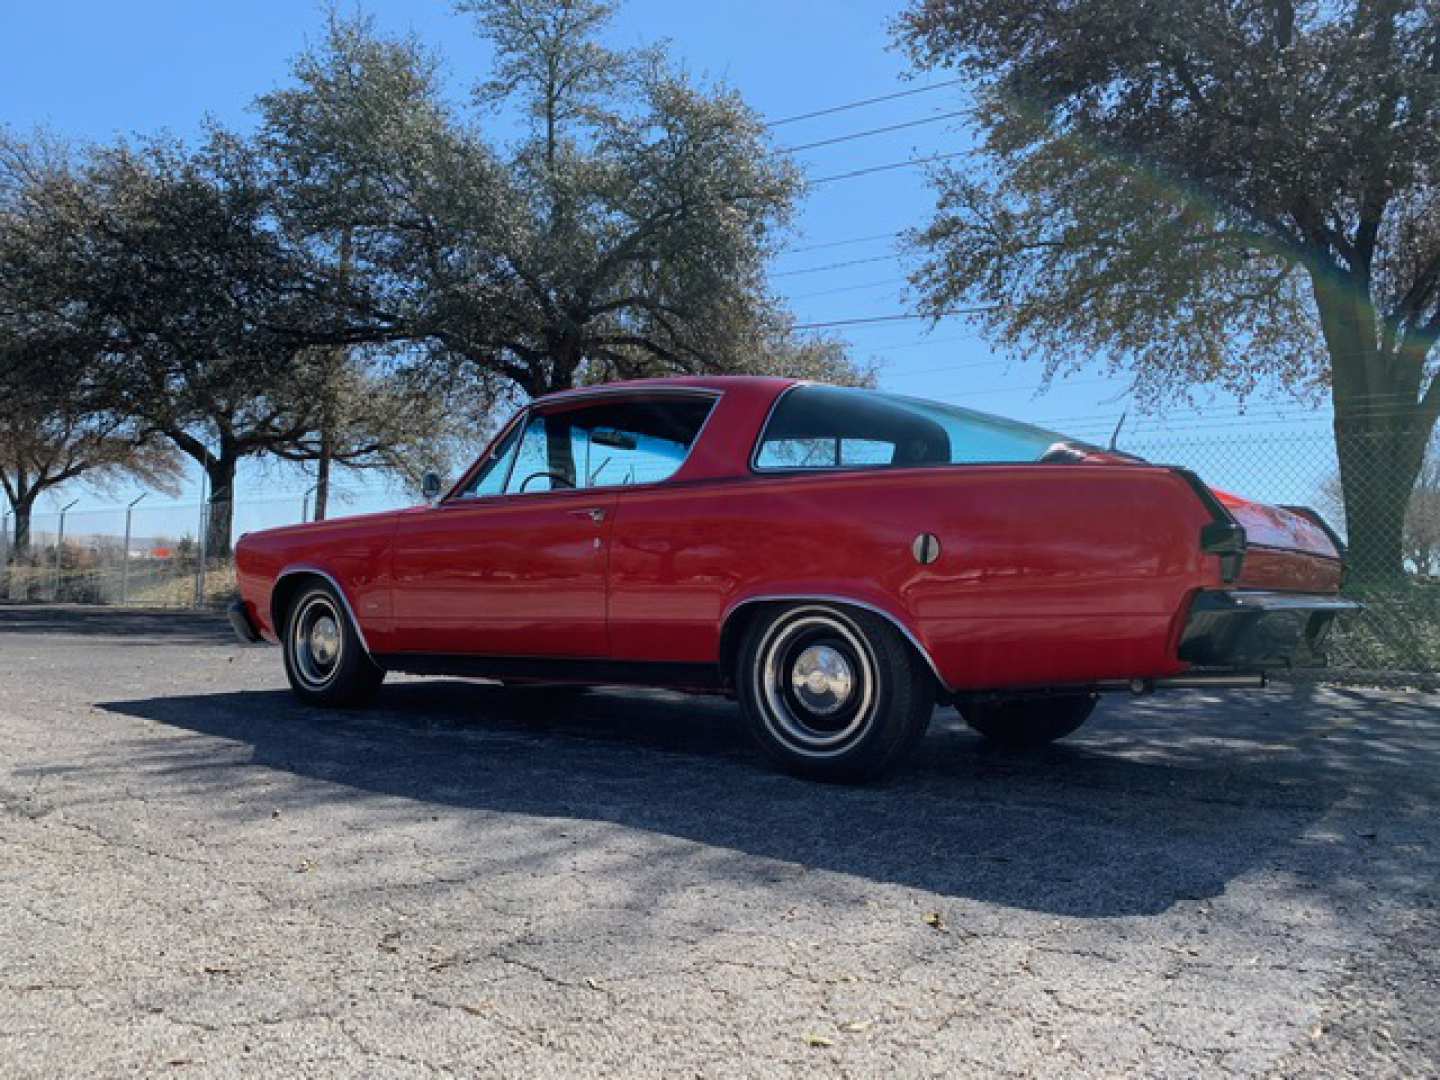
200,877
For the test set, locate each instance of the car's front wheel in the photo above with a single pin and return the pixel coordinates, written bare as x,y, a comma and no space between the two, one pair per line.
325,659
833,693
1025,723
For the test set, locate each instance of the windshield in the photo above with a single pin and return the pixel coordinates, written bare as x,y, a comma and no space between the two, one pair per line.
838,427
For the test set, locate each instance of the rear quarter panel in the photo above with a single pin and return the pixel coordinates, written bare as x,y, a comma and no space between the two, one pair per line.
1047,574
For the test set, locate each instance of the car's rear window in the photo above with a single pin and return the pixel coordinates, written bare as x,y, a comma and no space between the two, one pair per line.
820,427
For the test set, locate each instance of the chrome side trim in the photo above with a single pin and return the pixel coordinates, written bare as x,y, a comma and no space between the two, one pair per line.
851,602
292,571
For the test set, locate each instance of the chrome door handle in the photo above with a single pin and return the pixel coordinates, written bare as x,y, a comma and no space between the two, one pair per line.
594,513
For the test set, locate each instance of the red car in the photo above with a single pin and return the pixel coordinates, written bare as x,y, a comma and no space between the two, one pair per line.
838,559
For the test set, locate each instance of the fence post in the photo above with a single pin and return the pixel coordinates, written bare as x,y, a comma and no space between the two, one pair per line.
305,508
204,530
125,555
60,549
5,562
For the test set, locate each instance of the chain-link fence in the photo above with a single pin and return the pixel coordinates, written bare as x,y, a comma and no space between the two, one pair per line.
1395,640
148,554
153,555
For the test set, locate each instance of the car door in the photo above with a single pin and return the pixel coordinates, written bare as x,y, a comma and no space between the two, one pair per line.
512,565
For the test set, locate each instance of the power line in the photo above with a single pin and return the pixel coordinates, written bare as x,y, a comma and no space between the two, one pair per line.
862,103
873,131
909,163
889,318
834,266
971,366
845,243
848,288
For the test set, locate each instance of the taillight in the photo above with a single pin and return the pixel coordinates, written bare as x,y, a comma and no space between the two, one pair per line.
1223,536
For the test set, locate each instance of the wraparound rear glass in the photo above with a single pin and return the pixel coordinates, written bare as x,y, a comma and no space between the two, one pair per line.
830,427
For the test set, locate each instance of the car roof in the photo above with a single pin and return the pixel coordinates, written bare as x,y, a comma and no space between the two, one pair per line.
769,384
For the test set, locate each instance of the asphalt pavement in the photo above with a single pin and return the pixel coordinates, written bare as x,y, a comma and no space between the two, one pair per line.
200,877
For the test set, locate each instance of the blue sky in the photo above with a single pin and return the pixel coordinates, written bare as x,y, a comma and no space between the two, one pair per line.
93,70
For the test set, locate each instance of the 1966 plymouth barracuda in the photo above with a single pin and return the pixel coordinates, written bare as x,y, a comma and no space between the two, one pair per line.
837,559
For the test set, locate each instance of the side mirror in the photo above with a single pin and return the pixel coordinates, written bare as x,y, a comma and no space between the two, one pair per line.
430,486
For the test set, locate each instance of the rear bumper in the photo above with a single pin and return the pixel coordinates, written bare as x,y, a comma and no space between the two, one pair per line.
240,621
1254,629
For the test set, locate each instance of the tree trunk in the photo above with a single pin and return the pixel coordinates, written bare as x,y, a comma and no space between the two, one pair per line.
221,512
23,511
560,452
559,443
339,358
322,474
17,551
1380,435
1380,457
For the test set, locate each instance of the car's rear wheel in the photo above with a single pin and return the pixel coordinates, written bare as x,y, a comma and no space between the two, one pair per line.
324,658
1025,723
833,693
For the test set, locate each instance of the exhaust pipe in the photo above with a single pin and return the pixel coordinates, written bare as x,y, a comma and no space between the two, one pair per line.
1199,681
1256,681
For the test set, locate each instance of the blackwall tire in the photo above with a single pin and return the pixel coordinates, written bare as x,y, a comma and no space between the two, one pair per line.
325,660
833,693
1027,723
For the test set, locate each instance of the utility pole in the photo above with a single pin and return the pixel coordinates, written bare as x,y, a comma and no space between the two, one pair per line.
125,555
60,548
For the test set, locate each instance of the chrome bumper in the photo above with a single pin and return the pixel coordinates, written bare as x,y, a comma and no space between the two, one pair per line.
1250,628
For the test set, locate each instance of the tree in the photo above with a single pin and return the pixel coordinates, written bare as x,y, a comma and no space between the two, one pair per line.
380,415
56,425
354,151
641,208
52,434
1208,192
626,232
206,320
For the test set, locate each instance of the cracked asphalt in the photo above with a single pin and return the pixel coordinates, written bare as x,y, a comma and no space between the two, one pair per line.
199,877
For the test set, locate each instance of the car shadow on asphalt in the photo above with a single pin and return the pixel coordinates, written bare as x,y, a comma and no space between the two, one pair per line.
1154,804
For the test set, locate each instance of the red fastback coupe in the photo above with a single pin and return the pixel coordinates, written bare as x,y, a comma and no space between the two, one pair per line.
838,559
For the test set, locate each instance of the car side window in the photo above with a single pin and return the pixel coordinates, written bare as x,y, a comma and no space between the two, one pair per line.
609,444
820,453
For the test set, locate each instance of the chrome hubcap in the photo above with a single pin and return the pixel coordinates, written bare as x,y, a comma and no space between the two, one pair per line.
324,640
822,679
316,642
815,683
